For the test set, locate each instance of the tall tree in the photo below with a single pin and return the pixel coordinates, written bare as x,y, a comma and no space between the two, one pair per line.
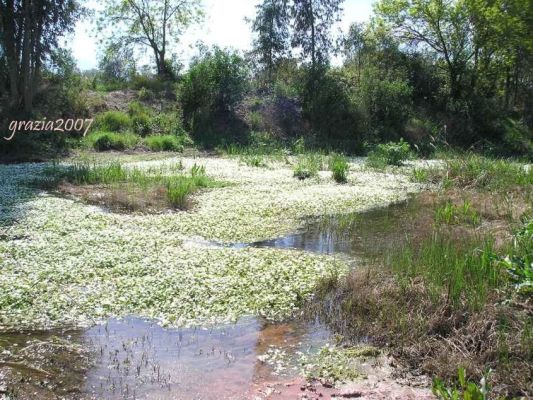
443,26
151,23
272,27
29,33
312,23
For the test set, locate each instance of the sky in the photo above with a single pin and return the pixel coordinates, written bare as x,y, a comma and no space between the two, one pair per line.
224,25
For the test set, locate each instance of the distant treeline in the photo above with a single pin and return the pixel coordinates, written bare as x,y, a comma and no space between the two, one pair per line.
458,72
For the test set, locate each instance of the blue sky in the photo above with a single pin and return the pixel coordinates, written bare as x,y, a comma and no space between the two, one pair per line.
224,25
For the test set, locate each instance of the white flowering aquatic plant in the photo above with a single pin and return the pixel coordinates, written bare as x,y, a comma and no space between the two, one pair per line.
64,262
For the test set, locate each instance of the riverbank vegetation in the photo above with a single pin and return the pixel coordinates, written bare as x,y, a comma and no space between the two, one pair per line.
455,289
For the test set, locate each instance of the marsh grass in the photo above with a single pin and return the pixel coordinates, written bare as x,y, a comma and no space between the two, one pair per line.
472,171
307,166
464,272
338,164
450,213
132,188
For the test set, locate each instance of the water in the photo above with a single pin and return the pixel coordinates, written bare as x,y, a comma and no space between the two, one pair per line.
134,358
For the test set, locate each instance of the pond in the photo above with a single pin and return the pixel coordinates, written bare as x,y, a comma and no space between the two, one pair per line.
135,358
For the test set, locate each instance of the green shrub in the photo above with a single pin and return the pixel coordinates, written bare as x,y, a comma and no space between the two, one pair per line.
145,94
339,168
141,124
307,166
104,141
389,154
113,121
168,123
164,143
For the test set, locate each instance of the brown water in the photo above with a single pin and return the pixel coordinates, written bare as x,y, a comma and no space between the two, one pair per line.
138,359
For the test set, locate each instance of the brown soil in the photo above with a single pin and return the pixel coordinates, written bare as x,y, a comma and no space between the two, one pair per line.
119,198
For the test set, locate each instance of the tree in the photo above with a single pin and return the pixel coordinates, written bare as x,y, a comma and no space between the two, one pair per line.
442,25
29,33
151,23
312,22
117,64
272,27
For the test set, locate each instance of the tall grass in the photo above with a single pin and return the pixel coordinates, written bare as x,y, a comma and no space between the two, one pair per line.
105,141
177,188
472,171
464,271
339,168
164,143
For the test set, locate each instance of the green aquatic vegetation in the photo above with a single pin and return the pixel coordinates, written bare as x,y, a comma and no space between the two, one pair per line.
42,286
336,364
450,213
339,167
307,166
105,141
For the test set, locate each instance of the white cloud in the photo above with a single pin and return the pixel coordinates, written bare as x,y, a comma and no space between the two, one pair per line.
224,25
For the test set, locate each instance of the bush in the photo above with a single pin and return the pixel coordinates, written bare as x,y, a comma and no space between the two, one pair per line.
169,123
141,124
339,168
113,121
389,154
212,87
105,141
307,167
164,143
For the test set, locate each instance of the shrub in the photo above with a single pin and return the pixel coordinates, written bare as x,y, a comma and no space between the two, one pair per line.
212,87
164,143
145,94
113,121
168,123
104,141
389,154
339,168
307,167
141,124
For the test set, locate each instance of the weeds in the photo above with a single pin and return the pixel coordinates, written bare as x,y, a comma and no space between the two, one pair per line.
164,143
307,166
466,391
113,121
129,187
389,154
449,214
105,141
339,168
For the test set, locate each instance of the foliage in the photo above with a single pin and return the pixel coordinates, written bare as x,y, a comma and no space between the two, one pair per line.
449,214
113,121
153,24
214,84
339,168
467,390
105,141
519,263
271,24
389,154
164,143
117,64
29,34
307,166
